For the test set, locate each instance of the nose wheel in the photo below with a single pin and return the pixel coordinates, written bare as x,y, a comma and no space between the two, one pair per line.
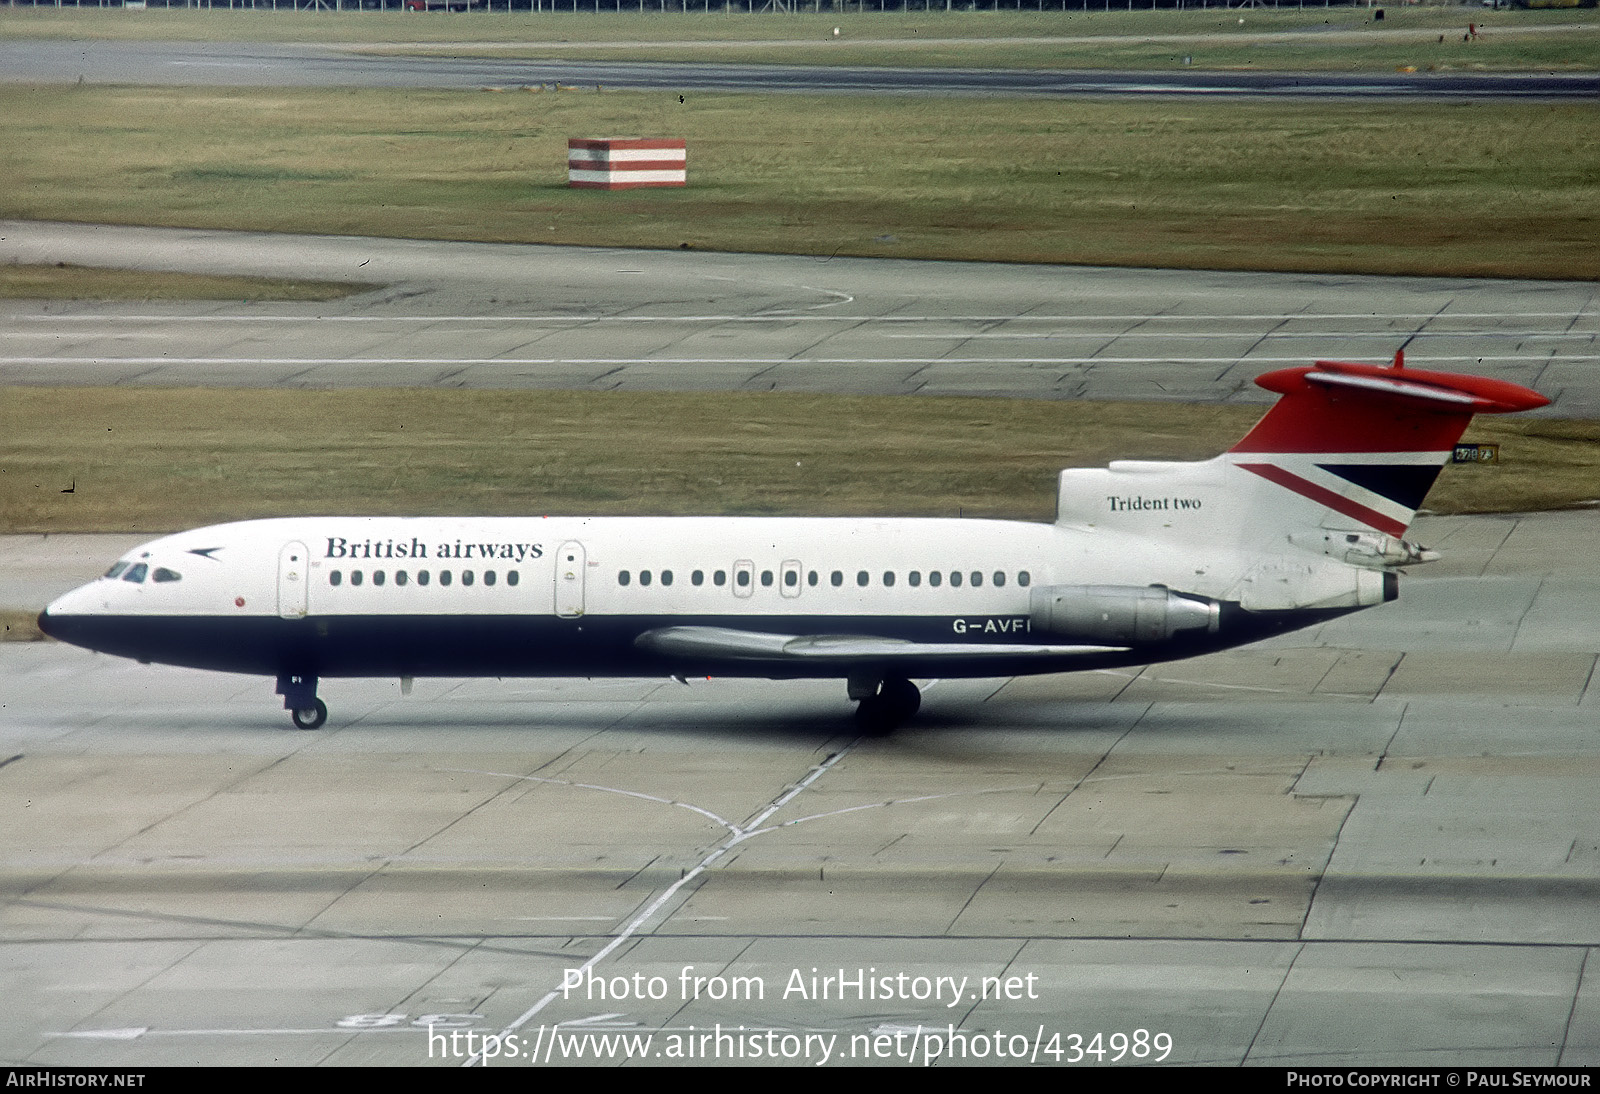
300,700
310,717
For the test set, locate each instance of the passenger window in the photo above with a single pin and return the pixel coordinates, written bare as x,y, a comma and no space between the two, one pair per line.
116,569
791,579
1024,578
488,577
811,579
377,577
766,578
697,578
163,574
862,577
422,577
915,577
355,577
837,578
719,578
400,577
513,577
999,578
977,579
444,577
666,577
136,573
466,577
955,579
335,577
742,577
644,577
934,578
888,579
623,577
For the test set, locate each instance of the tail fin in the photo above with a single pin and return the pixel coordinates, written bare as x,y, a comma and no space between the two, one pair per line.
1364,442
1340,464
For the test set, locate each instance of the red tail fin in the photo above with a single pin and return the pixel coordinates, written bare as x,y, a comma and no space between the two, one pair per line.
1367,441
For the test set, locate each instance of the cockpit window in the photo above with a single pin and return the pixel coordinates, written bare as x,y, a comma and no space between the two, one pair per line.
164,574
136,573
116,569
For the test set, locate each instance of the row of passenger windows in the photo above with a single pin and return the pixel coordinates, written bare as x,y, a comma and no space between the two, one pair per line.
136,572
863,578
403,577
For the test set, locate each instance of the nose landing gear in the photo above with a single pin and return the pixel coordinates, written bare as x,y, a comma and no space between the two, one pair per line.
310,717
300,700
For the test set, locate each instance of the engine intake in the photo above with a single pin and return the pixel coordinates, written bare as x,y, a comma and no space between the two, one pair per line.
1123,615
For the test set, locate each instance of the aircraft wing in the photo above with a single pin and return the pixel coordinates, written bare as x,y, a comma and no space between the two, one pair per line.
727,643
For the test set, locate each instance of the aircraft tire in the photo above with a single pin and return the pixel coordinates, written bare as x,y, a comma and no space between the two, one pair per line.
875,717
310,717
903,698
880,714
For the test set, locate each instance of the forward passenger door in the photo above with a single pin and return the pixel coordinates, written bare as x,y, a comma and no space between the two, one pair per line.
570,567
293,572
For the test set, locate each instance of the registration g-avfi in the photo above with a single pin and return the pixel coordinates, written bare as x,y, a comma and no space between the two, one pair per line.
1303,520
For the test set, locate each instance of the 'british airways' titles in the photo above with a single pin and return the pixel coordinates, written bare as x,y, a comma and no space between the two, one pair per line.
340,547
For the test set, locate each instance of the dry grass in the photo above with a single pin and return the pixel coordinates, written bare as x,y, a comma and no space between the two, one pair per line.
64,282
1419,188
18,625
161,459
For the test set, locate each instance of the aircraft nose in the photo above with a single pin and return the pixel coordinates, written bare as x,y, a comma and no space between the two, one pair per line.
64,617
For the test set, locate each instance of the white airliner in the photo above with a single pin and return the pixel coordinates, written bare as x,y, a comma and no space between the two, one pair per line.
1302,520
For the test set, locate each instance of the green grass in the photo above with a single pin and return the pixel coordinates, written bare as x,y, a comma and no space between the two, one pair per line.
156,460
1486,189
64,282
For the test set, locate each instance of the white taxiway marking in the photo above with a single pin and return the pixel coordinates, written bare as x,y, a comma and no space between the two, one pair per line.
656,905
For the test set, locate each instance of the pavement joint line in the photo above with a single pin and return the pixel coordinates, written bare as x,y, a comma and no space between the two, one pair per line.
751,827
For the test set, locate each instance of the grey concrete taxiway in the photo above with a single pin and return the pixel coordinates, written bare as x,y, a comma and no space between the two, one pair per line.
272,64
1373,842
483,315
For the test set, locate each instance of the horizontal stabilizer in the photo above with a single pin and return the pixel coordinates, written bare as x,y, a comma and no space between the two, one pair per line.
1344,406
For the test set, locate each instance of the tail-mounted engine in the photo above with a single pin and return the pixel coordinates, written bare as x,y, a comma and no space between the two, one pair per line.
1121,615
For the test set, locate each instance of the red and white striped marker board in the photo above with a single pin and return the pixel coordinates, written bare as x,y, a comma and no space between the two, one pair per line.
623,163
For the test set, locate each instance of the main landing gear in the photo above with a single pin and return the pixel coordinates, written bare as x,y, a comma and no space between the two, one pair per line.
884,703
300,700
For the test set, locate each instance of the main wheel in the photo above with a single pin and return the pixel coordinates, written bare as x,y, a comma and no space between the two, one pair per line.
310,717
895,703
903,698
875,718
